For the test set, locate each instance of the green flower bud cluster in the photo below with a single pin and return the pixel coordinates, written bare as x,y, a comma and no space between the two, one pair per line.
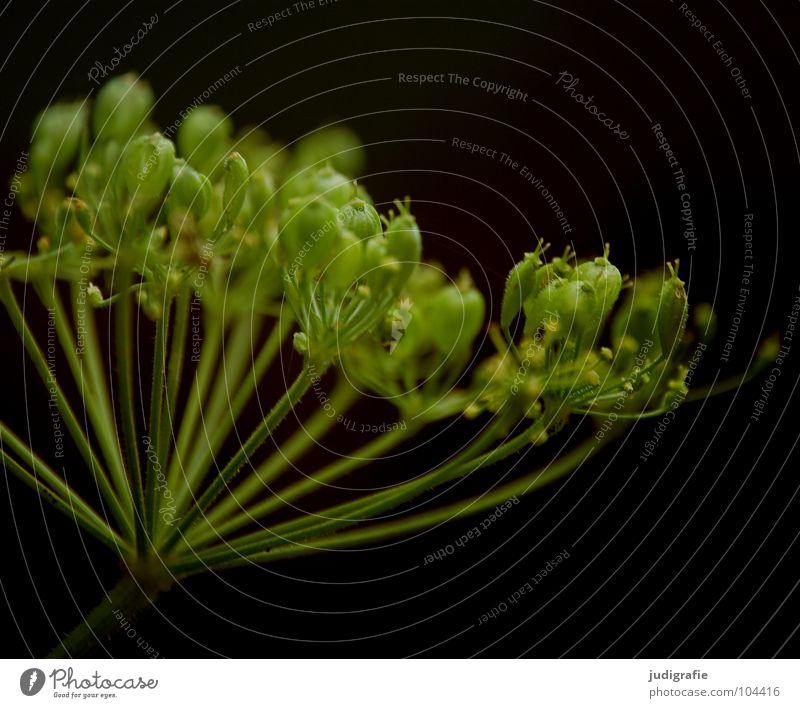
423,343
560,366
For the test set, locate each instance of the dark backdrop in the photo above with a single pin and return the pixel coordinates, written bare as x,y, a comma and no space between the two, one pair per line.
693,553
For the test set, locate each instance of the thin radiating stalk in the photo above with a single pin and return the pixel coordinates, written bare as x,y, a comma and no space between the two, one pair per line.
244,394
386,530
215,422
154,427
50,486
207,361
270,423
350,513
223,516
174,371
123,328
76,431
90,396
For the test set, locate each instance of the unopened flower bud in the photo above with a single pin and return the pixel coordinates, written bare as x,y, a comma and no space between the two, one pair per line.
456,318
190,190
235,190
203,138
121,108
404,242
519,285
347,263
55,141
148,163
673,309
338,146
361,218
309,231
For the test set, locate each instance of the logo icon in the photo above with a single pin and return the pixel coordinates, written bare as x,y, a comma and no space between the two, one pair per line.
31,681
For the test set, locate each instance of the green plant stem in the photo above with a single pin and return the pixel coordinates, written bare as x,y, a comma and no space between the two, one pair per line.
154,426
174,370
391,529
123,330
57,396
215,424
223,518
266,428
330,473
265,357
130,597
350,513
50,486
101,400
92,402
207,360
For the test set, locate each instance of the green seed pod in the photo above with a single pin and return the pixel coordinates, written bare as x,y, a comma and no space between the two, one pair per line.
519,285
338,146
309,231
121,108
260,199
539,308
204,137
236,184
635,320
605,279
576,307
379,269
361,218
55,142
190,190
404,242
347,262
455,318
147,169
673,310
83,215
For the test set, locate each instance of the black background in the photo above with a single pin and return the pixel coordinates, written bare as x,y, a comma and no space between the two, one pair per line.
693,553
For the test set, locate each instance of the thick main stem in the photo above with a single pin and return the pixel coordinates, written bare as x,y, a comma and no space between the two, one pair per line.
116,611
